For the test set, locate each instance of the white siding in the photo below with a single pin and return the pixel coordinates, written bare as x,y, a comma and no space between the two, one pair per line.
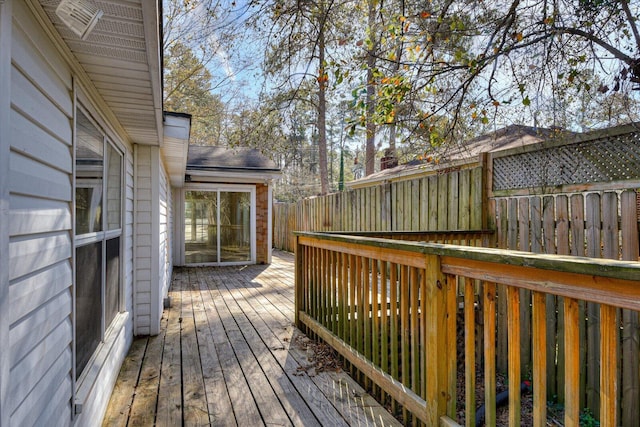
5,107
153,264
40,245
165,259
143,225
36,245
128,232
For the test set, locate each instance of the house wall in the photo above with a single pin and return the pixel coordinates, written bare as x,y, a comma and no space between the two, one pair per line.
165,238
5,134
152,209
40,384
37,95
143,214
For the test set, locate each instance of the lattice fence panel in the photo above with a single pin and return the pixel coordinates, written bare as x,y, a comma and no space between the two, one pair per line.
610,158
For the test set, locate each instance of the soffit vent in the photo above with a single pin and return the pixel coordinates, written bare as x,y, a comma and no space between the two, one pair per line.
79,15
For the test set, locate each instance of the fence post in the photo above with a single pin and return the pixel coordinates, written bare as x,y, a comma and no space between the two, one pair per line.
299,282
435,339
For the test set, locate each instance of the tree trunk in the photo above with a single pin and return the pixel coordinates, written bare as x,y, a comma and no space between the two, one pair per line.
396,67
322,116
370,147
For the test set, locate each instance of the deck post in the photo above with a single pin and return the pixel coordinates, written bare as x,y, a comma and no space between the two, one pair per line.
435,339
299,283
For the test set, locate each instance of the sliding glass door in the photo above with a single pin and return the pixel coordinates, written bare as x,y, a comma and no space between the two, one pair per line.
235,227
219,227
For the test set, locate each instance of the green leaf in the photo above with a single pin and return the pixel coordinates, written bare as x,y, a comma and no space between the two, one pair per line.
526,101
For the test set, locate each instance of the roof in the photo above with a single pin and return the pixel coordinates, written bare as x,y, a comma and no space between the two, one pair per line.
502,139
202,157
229,165
119,65
122,58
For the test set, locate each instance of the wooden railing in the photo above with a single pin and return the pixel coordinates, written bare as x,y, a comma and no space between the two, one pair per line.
482,238
390,308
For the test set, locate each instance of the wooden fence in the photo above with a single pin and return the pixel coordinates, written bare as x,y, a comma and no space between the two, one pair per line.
601,224
391,309
578,199
441,200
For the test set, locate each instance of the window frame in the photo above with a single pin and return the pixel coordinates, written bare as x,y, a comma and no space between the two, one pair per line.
102,237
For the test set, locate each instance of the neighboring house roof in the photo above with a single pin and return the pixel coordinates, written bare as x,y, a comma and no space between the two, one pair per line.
230,164
467,152
502,139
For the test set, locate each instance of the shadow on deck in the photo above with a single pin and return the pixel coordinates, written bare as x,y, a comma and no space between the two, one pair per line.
228,354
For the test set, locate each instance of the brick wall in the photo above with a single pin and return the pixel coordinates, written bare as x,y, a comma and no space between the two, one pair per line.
262,204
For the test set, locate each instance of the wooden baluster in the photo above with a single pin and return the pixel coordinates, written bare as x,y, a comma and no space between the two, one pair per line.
452,341
490,353
395,372
513,321
300,282
405,331
469,352
414,288
375,315
343,322
539,348
352,300
608,366
571,363
384,319
332,292
367,301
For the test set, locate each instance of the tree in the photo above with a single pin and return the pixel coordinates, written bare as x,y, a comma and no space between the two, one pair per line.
468,60
187,87
297,45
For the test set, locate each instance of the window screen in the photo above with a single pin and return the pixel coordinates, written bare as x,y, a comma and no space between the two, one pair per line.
88,302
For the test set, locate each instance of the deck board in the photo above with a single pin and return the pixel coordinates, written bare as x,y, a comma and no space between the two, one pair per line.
228,354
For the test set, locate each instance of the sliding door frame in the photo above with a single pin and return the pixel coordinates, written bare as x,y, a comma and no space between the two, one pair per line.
179,228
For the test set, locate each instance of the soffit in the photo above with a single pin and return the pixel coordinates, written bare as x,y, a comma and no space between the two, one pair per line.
122,58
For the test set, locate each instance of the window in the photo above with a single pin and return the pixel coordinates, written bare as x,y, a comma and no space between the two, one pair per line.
98,189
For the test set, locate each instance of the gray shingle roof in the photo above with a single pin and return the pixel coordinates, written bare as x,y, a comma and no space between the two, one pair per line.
220,158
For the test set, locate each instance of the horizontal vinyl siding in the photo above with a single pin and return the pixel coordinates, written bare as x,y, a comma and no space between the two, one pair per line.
40,245
142,271
165,235
128,231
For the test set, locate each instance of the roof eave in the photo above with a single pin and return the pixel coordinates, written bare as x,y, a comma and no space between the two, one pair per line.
175,148
151,22
229,177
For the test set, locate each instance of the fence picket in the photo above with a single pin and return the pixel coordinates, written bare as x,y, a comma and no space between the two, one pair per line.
592,224
630,336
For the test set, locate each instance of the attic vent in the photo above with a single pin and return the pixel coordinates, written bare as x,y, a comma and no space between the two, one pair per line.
79,15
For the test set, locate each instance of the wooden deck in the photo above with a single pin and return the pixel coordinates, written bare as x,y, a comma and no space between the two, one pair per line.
229,355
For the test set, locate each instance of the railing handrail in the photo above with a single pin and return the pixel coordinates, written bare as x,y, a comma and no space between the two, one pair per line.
411,232
624,270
